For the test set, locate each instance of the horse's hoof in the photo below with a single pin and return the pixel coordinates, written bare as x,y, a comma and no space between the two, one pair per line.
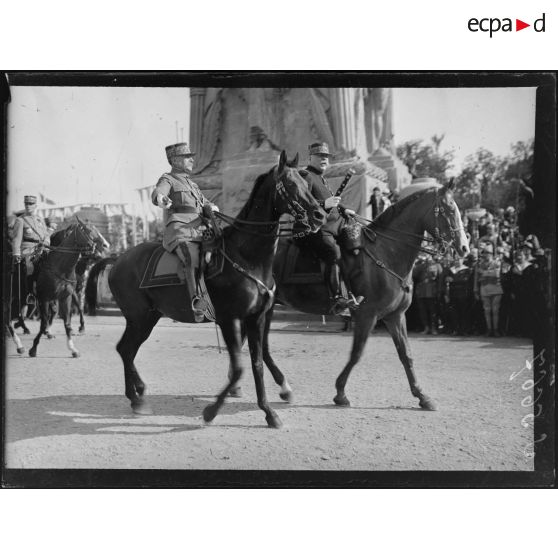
287,396
26,331
273,421
81,329
428,404
209,413
341,401
20,350
32,353
142,408
75,354
235,392
50,336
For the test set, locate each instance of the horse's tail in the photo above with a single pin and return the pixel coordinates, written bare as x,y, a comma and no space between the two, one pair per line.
91,285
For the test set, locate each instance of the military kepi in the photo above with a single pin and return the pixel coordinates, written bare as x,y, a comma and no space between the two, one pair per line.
178,150
30,199
319,148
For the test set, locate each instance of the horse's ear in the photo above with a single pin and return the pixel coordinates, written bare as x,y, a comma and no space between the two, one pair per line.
450,186
294,162
282,161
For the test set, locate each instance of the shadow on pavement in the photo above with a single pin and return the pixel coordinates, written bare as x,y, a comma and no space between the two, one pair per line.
110,414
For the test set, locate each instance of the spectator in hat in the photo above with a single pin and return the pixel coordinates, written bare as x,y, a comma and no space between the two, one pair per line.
428,277
491,237
323,243
183,203
488,287
378,202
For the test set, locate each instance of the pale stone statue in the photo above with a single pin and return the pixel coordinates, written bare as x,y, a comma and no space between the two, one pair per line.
211,129
320,105
378,105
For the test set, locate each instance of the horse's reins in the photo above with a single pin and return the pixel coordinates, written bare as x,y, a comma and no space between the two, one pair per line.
297,211
64,250
438,239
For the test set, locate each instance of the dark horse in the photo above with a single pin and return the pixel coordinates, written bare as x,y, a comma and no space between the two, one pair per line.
242,293
56,278
378,266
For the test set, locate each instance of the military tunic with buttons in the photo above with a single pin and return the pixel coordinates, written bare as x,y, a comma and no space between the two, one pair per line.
182,219
322,243
28,232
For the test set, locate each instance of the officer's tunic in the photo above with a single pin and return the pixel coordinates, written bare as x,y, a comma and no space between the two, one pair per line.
28,232
322,242
182,221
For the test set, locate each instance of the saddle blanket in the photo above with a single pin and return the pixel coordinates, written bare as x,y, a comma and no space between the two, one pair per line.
165,270
162,270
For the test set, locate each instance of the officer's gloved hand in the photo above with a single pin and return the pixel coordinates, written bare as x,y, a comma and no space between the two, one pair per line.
214,207
349,212
331,202
17,259
163,201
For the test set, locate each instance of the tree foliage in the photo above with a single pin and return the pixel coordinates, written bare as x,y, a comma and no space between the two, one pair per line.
485,179
491,181
426,159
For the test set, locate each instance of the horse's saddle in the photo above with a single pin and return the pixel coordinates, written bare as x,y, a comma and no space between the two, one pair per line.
165,269
298,265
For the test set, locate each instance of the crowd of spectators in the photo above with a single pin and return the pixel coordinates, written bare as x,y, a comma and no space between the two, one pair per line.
489,292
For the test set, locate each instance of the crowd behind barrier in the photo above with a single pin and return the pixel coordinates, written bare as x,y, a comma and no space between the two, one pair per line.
490,291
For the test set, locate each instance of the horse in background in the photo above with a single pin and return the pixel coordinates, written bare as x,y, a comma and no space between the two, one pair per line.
242,293
56,277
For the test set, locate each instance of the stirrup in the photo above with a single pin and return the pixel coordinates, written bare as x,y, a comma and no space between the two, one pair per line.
354,302
199,306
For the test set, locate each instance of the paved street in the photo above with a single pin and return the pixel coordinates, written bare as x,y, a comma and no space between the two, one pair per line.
72,413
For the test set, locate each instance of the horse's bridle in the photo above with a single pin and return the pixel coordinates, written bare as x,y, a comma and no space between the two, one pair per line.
90,242
296,210
442,244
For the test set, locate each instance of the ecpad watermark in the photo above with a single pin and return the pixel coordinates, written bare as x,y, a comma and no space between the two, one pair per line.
493,25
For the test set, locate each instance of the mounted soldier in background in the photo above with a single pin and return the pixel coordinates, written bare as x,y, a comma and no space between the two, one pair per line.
183,203
29,235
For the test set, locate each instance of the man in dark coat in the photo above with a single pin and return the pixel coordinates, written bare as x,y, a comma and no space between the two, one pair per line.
322,243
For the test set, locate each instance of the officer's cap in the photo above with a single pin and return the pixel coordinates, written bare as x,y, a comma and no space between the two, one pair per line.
178,150
319,148
30,200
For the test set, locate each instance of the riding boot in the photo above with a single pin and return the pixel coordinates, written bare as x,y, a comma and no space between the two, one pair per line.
198,304
340,303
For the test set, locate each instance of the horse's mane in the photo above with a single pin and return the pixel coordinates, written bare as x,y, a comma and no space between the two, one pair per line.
397,208
59,235
243,214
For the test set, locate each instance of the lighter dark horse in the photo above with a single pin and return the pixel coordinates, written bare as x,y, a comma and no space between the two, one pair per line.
56,278
378,267
242,293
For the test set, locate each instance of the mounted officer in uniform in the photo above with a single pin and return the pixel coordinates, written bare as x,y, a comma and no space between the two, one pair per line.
29,234
323,243
183,203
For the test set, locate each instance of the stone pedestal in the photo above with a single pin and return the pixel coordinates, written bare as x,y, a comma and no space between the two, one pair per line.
239,175
398,174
